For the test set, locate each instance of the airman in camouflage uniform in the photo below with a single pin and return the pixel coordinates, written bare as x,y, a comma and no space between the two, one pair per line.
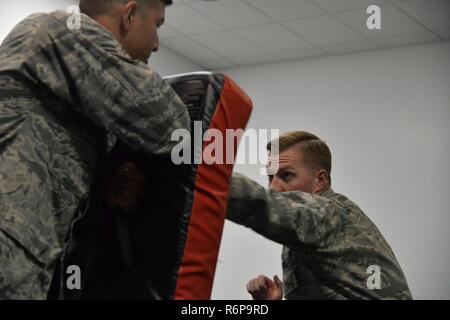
65,96
329,244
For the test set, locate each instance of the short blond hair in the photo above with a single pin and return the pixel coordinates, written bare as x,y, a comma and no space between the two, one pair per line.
316,153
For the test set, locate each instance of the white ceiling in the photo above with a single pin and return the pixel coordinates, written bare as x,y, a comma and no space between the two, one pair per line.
230,33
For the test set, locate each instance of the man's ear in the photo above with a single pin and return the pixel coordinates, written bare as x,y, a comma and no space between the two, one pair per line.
128,15
322,180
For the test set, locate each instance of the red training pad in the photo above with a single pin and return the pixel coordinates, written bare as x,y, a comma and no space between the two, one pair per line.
196,275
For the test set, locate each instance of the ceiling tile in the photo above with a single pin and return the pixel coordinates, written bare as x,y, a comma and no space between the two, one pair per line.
407,39
166,32
281,10
273,37
350,47
254,59
227,44
393,22
445,33
190,49
217,64
323,30
434,14
176,2
186,20
299,54
343,5
231,13
306,29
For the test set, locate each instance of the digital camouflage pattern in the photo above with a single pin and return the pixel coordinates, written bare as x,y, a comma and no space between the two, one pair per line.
328,242
65,97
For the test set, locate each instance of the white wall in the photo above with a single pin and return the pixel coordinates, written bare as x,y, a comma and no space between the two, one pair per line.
386,118
167,62
12,12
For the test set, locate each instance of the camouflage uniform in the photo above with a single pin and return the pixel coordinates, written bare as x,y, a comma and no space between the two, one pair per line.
62,94
328,242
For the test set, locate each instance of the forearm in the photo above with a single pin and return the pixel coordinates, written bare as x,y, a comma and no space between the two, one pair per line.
289,218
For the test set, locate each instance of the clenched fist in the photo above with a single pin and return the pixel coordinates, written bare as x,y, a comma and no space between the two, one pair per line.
264,288
126,188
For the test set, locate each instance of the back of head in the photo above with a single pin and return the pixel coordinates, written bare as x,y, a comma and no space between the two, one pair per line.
95,8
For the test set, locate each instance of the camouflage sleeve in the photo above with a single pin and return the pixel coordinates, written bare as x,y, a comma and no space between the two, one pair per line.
90,70
289,218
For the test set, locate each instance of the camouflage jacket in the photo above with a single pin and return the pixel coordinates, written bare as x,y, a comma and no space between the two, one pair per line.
329,245
62,92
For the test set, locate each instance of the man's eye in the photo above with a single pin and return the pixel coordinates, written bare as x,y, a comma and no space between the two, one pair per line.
286,175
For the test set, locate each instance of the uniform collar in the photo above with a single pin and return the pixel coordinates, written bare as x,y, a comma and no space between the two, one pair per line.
327,192
98,34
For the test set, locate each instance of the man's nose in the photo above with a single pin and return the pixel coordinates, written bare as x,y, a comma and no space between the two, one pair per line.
277,184
156,46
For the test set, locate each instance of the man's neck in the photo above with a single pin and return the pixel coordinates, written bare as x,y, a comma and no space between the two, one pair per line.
107,23
325,190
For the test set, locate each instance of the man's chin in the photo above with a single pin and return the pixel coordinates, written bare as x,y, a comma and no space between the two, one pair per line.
144,59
